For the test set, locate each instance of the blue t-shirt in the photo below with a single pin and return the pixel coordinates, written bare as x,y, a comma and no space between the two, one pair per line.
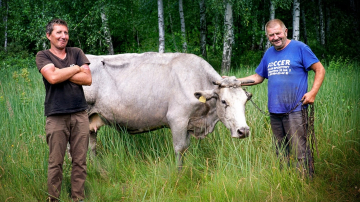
287,74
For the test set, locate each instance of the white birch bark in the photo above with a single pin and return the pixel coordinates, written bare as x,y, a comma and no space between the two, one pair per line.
272,16
183,31
203,28
272,10
322,26
228,39
296,20
107,32
161,26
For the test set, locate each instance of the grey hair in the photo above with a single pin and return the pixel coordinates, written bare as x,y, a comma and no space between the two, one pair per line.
273,23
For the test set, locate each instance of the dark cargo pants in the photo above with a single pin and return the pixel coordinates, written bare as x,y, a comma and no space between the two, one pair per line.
290,135
60,130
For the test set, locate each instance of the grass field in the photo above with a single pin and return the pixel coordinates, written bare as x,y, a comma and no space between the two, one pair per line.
218,168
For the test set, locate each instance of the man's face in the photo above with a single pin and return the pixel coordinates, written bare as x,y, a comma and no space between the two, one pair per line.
277,36
59,36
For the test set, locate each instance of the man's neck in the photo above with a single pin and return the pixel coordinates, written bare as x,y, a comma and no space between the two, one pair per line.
60,53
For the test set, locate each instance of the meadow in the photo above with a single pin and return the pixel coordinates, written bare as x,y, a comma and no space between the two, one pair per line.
218,168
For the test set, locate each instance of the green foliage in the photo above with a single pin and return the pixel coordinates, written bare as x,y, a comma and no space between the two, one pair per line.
340,63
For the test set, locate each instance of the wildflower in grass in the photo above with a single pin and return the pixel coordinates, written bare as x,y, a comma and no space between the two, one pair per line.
15,76
25,74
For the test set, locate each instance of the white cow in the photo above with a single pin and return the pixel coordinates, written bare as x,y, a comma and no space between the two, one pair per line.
143,92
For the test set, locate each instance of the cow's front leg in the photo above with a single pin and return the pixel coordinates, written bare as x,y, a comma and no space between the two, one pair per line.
181,144
181,141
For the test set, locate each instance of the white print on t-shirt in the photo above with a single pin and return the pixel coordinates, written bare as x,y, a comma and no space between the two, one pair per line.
279,67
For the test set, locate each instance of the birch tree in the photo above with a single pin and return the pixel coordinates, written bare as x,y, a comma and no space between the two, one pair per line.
182,21
228,38
322,26
203,28
272,16
107,32
296,20
161,26
6,25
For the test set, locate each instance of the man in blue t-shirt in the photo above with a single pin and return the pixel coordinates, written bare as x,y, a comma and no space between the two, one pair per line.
286,65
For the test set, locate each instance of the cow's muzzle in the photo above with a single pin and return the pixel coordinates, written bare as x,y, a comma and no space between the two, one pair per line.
242,133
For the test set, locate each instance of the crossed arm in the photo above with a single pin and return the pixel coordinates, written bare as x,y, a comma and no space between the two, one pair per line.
76,74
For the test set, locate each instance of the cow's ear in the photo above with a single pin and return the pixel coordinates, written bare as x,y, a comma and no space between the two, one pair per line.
207,94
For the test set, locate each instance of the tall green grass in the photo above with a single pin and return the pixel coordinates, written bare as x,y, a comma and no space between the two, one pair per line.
218,168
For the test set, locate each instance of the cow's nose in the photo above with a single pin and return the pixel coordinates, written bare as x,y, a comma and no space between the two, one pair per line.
243,132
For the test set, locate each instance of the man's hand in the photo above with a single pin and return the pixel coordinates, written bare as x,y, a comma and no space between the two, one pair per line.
83,77
308,98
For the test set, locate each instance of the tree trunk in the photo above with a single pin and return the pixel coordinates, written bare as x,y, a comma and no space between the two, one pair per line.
182,21
272,10
296,20
5,23
303,19
322,26
161,26
272,16
107,32
203,29
228,39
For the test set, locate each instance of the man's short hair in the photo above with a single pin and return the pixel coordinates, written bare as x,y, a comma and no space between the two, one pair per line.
273,23
50,25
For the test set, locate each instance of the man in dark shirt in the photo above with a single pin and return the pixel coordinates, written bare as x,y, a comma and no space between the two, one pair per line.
65,70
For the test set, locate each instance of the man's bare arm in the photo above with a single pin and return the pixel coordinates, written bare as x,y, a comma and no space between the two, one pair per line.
83,77
55,75
255,77
319,70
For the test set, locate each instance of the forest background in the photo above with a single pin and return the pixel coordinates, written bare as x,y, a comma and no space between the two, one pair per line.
217,168
208,28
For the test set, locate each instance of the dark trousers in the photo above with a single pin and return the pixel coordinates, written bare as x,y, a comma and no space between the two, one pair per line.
60,130
290,135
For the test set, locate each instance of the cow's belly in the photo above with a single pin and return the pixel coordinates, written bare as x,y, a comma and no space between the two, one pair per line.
136,119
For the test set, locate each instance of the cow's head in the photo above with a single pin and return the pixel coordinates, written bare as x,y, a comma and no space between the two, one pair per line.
230,104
